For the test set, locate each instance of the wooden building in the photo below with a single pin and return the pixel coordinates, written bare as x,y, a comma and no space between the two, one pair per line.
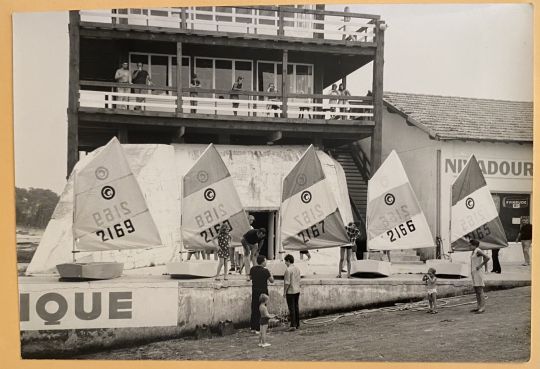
316,47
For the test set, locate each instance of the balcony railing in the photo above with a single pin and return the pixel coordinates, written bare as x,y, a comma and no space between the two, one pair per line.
121,97
276,21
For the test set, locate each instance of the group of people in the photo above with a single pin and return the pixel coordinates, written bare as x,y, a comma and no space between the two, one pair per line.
138,77
339,91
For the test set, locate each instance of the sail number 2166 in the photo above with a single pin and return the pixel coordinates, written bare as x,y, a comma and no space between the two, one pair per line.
116,231
401,230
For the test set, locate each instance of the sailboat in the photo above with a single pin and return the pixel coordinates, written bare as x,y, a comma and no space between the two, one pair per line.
209,199
310,217
473,216
395,220
109,213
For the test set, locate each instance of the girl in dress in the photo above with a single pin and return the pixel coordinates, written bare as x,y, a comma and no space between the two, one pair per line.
478,259
224,239
265,318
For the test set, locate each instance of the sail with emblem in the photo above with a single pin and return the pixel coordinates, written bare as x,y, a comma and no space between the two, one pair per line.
209,200
473,212
394,217
310,218
110,211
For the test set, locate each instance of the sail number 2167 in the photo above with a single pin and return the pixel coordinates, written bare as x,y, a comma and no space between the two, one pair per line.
116,231
312,232
401,230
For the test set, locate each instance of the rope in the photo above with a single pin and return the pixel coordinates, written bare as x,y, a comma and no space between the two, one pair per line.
412,306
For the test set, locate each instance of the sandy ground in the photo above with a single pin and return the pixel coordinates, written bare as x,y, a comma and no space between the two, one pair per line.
501,334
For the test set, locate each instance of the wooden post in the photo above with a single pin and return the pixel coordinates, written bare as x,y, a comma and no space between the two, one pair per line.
281,22
284,83
378,66
178,78
271,246
73,94
183,18
123,135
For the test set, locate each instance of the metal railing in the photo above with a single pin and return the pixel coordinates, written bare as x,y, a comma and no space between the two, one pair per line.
118,96
276,21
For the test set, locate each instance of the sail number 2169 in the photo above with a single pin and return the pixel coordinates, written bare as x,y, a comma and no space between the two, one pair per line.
401,230
116,231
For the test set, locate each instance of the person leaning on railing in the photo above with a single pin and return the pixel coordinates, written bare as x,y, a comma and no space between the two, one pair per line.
140,77
344,92
195,83
237,86
272,88
122,76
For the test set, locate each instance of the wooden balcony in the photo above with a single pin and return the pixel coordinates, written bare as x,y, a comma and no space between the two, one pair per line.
256,21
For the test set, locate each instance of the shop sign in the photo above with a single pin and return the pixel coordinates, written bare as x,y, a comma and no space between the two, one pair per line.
516,202
493,167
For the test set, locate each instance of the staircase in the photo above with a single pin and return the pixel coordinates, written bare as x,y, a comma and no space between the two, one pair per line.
356,167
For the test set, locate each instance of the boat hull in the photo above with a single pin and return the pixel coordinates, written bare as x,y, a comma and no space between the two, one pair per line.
278,267
370,268
89,271
448,269
192,269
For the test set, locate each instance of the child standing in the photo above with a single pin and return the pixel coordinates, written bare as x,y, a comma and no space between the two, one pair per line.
431,285
265,317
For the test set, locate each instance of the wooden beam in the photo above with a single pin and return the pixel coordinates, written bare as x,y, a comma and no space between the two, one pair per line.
378,67
284,82
179,77
73,92
209,38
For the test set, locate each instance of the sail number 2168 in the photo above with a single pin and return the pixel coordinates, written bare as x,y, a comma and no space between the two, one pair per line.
401,230
116,231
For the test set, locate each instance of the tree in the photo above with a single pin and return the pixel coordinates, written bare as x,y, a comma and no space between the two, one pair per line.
34,206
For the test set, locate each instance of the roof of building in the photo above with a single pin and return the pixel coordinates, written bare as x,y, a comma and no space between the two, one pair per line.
463,118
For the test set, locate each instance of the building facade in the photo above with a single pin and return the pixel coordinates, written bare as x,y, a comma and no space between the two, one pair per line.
226,75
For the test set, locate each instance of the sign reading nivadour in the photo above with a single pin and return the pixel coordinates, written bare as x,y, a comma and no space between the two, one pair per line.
58,306
501,168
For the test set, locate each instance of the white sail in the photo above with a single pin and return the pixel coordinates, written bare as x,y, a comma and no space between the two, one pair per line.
110,212
394,217
474,215
209,200
310,218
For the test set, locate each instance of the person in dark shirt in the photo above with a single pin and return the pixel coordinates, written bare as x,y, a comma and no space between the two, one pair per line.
525,236
252,241
237,86
259,276
140,77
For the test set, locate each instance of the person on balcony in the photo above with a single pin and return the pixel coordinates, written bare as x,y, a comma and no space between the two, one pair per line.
122,76
348,32
194,83
237,86
303,108
332,102
343,92
140,77
272,88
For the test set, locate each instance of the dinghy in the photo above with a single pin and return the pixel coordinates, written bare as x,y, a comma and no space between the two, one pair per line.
474,216
310,217
109,213
395,220
209,199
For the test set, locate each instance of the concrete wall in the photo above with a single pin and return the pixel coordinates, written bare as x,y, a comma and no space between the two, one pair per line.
204,302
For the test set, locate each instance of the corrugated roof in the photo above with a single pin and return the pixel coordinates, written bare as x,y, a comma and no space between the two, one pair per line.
450,117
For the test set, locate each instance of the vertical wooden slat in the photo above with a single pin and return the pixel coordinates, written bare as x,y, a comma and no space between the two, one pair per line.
271,231
284,82
378,67
281,23
179,78
183,19
73,94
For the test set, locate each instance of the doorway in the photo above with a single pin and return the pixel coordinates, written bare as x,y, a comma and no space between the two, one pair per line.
267,220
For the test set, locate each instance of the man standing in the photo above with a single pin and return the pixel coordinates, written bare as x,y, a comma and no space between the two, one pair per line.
259,276
140,77
525,236
251,241
291,291
122,76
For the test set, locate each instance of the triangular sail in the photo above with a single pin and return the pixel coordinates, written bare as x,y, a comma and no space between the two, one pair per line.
209,200
394,217
310,218
110,212
473,212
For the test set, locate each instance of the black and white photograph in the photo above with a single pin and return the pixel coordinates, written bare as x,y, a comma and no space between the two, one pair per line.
339,182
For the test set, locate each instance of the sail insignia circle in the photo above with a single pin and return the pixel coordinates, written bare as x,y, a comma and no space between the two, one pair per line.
202,176
108,192
301,179
101,173
209,194
469,203
305,197
389,199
